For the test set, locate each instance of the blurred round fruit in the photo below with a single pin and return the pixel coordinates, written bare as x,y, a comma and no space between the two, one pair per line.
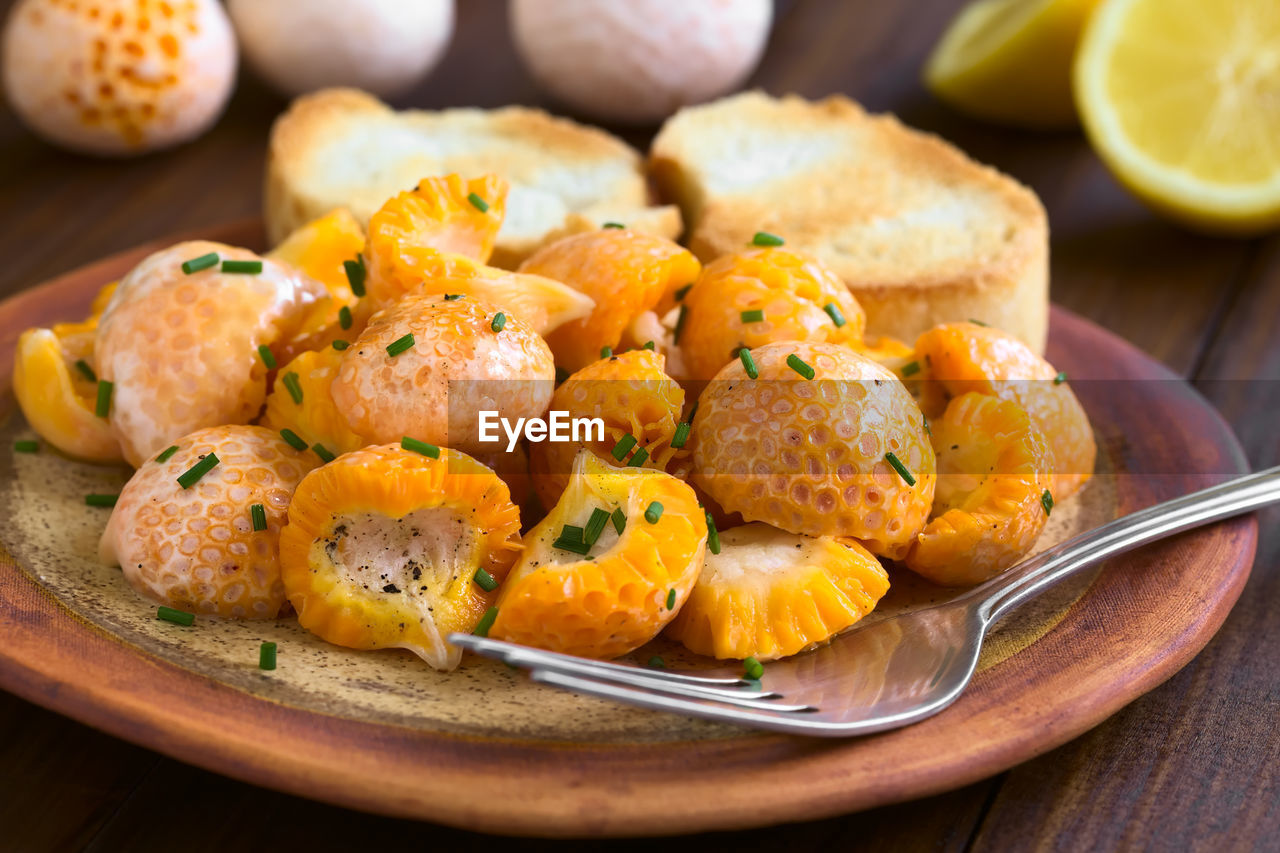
381,46
1179,98
1009,61
841,453
116,76
639,60
196,545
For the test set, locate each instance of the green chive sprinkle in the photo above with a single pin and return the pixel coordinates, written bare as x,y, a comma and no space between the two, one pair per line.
177,617
295,441
452,297
499,320
1046,501
606,352
245,267
684,312
571,539
656,662
101,500
27,446
201,263
344,317
258,515
834,312
478,203
799,365
399,345
613,225
893,460
561,375
682,434
293,386
753,668
412,444
748,363
683,292
267,358
653,512
693,411
911,368
649,345
323,452
638,458
928,430
595,526
486,622
671,599
764,238
623,446
619,521
977,322
193,474
103,406
1060,378
355,276
86,370
755,315
340,345
167,453
713,535
267,656
484,580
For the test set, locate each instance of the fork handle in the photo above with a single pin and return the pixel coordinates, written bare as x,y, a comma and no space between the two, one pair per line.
1031,577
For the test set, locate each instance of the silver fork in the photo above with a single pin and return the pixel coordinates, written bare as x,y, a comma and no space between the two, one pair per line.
890,673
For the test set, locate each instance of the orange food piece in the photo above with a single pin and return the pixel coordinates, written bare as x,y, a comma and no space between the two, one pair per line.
960,357
988,510
627,273
617,600
321,247
195,549
317,419
632,395
383,545
769,594
811,456
790,290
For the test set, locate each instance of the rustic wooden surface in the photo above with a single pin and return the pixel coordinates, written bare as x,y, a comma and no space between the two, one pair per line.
1194,764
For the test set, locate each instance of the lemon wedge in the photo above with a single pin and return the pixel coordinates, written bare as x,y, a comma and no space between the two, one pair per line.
1009,61
1181,98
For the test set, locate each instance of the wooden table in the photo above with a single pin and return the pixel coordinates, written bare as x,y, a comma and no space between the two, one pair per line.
1194,764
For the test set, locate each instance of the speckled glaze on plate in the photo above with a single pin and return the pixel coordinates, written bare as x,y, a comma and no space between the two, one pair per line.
381,731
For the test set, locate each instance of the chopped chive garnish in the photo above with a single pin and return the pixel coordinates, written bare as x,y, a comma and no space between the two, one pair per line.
401,344
27,446
258,515
682,434
177,617
1046,501
323,452
834,312
561,375
499,320
167,453
671,599
86,370
606,352
683,292
203,262
748,363
267,357
755,315
452,297
977,322
684,312
571,539
355,275
412,444
649,345
653,512
893,460
1060,378
713,535
911,368
613,225
340,345
344,317
623,446
486,622
293,386
192,475
764,238
928,430
799,365
246,267
693,411
102,407
619,520
753,668
267,656
638,458
484,580
295,441
595,526
101,500
478,203
656,662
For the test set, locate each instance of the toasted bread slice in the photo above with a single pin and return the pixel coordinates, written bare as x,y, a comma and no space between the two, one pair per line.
919,232
345,148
